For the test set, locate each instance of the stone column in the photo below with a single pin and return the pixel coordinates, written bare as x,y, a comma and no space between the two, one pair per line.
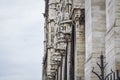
59,70
68,61
63,65
113,34
79,52
66,29
95,27
50,33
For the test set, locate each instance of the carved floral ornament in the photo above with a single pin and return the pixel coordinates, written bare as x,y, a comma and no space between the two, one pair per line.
51,75
62,28
60,49
56,58
60,35
53,68
66,16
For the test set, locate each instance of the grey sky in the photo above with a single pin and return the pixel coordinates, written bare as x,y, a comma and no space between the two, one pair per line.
21,39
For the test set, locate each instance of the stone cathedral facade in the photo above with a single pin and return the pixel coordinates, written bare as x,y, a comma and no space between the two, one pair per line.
76,33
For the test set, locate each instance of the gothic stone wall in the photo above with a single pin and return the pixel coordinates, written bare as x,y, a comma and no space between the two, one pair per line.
95,27
113,34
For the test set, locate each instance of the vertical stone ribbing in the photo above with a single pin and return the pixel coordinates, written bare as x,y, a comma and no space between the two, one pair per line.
63,69
68,61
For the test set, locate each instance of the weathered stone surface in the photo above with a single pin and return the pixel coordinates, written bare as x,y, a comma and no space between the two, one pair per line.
113,34
100,33
95,34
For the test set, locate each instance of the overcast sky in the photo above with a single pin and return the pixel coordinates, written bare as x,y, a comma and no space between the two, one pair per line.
21,39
